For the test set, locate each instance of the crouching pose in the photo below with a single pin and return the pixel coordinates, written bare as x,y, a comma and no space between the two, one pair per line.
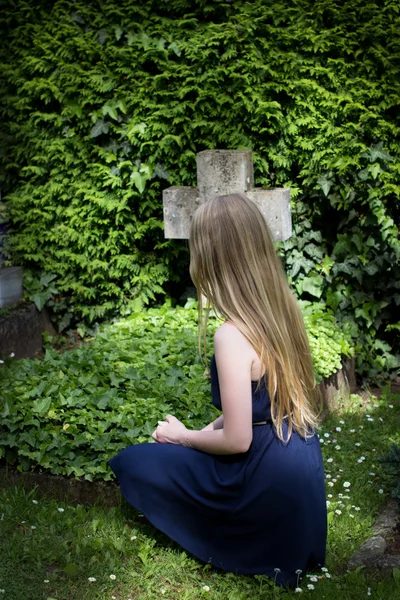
246,493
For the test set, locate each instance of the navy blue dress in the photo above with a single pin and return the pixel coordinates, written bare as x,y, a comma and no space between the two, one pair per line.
247,513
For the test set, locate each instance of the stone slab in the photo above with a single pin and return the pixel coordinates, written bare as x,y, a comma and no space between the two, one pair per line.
274,205
179,205
221,172
10,285
21,332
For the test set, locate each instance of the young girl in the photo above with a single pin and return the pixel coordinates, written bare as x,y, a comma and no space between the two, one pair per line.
246,493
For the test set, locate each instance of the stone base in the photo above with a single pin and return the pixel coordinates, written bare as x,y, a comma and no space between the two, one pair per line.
339,385
21,331
371,554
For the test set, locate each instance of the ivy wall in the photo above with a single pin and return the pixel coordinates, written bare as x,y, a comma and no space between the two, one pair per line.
103,104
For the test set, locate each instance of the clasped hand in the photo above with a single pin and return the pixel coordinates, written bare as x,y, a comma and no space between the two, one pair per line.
170,431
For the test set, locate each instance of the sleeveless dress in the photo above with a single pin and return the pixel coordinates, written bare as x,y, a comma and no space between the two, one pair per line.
250,513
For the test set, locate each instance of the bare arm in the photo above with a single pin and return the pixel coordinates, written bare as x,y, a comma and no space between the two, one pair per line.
217,424
234,356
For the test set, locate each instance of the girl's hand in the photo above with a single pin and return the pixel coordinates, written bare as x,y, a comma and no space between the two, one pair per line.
170,431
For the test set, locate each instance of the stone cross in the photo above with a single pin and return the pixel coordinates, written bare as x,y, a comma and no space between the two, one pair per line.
225,172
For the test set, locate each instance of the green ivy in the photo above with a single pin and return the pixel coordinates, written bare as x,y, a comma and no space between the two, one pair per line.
70,412
103,105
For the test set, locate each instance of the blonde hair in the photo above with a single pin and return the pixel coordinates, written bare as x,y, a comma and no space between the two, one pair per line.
233,263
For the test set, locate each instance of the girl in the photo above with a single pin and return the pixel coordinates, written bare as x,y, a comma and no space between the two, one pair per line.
246,493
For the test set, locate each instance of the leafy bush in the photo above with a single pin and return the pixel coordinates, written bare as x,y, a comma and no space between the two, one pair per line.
104,105
70,412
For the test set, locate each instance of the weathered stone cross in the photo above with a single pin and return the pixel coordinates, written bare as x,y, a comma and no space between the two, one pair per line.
225,172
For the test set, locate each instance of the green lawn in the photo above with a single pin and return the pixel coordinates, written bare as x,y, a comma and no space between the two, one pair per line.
54,550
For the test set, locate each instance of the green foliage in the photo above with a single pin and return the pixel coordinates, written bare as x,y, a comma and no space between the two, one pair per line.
328,343
354,265
70,412
105,104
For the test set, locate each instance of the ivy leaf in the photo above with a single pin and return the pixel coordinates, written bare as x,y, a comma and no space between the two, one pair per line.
41,406
325,184
173,47
102,35
40,299
99,128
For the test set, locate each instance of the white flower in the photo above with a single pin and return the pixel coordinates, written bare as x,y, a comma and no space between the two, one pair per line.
357,508
338,429
346,484
162,591
298,590
91,579
327,575
329,460
338,512
390,405
113,577
60,509
277,570
326,435
357,444
328,476
2,363
337,447
380,491
368,591
12,354
46,581
372,474
2,590
330,483
324,569
351,516
330,496
33,527
370,419
310,586
341,422
313,578
328,503
35,502
298,572
133,537
206,588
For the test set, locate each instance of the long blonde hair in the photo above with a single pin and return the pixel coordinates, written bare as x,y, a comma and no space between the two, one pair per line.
233,263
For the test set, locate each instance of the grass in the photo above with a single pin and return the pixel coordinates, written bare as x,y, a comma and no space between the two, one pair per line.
50,548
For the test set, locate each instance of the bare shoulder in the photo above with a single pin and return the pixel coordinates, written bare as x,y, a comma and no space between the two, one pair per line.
229,336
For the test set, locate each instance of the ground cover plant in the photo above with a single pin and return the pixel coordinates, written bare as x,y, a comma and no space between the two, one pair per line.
75,552
104,104
69,412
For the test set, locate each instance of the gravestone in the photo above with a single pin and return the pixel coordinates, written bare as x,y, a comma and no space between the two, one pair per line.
10,277
10,285
222,172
